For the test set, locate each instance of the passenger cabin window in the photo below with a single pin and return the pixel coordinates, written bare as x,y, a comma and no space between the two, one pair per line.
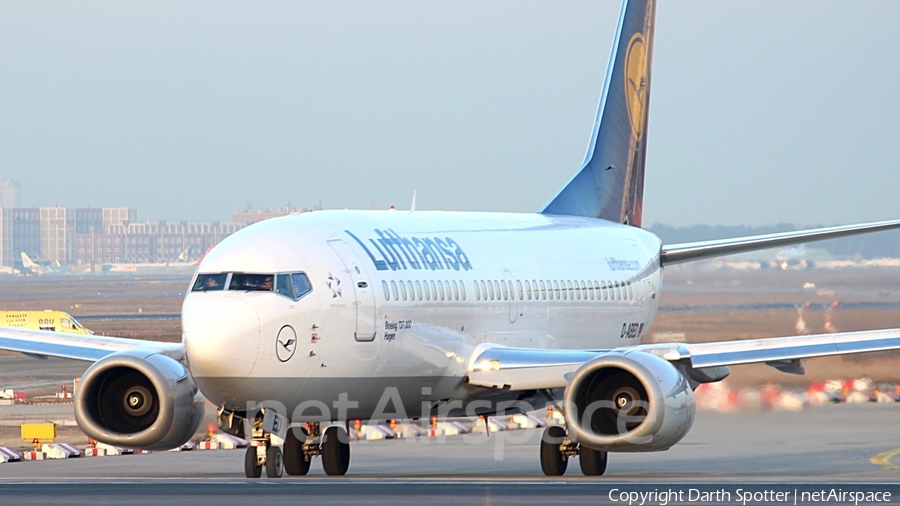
252,282
387,293
209,282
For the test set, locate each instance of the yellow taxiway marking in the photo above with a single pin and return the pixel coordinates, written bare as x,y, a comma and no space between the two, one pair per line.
884,459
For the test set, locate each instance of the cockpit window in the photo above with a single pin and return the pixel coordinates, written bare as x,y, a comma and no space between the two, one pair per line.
209,282
301,283
284,286
252,282
292,285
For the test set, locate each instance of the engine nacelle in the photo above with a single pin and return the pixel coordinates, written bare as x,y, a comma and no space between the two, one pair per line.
628,401
138,400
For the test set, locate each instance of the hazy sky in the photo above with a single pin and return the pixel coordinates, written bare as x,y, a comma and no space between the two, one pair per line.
760,111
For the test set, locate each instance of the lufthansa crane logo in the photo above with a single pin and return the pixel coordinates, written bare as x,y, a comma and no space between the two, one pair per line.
285,343
636,83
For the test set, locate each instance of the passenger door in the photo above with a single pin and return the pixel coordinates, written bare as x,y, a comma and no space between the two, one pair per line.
363,292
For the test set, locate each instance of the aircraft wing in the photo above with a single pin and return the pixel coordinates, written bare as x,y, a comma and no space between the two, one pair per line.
90,348
686,252
529,369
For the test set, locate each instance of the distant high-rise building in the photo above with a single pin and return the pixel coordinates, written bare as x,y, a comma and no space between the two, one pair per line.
113,216
6,238
251,216
55,227
109,235
88,220
161,242
9,190
26,232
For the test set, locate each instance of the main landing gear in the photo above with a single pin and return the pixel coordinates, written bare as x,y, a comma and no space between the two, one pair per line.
300,446
557,449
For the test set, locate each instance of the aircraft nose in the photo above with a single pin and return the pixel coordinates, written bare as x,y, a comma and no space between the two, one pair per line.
221,336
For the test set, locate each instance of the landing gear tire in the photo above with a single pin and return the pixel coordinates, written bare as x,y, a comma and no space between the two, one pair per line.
593,462
553,462
336,451
274,462
296,463
251,468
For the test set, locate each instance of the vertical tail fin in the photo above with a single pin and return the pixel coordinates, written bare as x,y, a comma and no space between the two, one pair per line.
610,183
27,262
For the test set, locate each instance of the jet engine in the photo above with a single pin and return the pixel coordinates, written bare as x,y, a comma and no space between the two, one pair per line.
628,401
139,400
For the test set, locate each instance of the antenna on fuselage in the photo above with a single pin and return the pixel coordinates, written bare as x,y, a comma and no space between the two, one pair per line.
412,207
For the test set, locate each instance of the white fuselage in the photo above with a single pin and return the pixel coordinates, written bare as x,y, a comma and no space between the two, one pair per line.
403,300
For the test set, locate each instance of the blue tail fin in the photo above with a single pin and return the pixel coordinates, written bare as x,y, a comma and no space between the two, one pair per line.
610,183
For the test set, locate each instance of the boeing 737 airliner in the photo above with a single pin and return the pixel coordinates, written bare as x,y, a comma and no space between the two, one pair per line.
320,318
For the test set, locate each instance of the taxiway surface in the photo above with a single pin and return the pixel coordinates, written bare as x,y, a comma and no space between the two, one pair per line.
824,445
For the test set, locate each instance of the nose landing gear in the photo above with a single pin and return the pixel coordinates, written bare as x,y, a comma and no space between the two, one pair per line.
557,448
263,455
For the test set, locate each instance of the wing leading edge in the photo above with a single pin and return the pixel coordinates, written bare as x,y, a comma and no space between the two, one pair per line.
90,348
686,252
528,369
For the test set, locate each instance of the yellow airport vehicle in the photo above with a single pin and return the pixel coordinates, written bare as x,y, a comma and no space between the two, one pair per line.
54,321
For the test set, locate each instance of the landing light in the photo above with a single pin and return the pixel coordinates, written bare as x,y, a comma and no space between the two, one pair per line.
489,365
